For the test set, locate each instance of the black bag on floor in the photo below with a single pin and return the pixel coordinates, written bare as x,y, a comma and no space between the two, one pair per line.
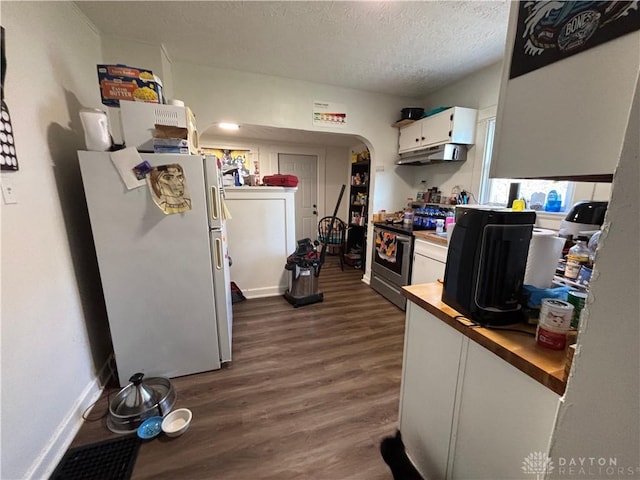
236,294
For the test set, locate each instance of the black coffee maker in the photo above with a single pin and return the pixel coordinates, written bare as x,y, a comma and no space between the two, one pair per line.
486,263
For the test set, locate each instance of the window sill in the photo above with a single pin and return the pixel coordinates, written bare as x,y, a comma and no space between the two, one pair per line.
549,220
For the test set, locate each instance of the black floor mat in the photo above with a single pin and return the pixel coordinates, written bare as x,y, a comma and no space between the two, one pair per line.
107,460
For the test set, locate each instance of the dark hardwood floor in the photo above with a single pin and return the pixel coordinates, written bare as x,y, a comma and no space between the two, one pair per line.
310,393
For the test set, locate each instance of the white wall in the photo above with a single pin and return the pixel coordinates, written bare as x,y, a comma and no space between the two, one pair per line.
153,57
54,329
479,91
150,56
599,416
217,95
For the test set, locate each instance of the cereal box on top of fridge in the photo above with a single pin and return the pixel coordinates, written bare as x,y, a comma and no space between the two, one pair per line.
121,82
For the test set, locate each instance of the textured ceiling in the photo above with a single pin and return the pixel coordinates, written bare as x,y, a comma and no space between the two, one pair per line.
392,47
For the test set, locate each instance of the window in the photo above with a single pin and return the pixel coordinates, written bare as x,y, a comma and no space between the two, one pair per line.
536,193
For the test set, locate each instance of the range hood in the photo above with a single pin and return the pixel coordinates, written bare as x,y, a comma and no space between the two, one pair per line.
446,152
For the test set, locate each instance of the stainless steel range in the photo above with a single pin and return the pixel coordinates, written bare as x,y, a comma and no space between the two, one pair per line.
392,255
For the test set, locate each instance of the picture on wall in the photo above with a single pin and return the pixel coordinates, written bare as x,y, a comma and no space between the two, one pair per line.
8,154
549,31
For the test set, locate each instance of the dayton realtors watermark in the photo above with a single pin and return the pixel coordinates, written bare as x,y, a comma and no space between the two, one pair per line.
598,467
540,464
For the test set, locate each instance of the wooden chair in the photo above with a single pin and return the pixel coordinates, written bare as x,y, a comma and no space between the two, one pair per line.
337,240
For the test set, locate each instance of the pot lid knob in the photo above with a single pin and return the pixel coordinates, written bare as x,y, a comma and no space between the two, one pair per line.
136,378
140,394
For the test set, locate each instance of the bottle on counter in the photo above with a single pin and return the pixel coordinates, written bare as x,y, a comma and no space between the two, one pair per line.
577,257
450,218
431,221
407,219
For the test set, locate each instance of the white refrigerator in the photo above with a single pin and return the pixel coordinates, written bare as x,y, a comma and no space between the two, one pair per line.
165,277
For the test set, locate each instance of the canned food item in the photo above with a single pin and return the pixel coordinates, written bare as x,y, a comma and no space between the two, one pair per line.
552,338
578,300
556,314
584,276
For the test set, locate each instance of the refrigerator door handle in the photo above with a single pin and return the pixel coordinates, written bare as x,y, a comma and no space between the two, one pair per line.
219,255
215,207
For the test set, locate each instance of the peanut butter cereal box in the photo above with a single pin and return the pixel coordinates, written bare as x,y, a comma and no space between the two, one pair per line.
120,82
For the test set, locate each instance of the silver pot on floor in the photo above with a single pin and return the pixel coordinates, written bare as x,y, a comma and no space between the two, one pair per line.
139,400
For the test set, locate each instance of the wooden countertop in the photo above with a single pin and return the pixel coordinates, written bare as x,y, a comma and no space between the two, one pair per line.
430,236
522,351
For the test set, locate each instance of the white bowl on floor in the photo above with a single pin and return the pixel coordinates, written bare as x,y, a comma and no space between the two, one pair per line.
177,422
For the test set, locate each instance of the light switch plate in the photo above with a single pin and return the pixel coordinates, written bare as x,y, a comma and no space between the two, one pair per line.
9,193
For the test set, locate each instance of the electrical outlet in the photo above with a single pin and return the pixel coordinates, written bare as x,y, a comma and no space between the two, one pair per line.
9,193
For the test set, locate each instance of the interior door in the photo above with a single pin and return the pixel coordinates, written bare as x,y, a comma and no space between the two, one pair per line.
305,167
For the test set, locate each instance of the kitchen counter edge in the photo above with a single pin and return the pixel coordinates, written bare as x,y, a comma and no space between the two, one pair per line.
543,365
431,237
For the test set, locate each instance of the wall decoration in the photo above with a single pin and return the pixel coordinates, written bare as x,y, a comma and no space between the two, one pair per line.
168,188
549,31
8,154
326,114
233,163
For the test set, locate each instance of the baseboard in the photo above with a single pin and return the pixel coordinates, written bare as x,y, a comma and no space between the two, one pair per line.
51,455
264,292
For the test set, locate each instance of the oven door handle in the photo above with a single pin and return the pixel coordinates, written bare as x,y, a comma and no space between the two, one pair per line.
403,239
399,236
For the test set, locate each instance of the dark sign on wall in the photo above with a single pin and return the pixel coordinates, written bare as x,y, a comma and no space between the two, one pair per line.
549,31
8,154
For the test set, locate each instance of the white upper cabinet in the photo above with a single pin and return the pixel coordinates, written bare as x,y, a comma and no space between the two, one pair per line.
454,125
410,137
569,118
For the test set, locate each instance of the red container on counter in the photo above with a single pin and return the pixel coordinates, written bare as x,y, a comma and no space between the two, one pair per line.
281,180
552,338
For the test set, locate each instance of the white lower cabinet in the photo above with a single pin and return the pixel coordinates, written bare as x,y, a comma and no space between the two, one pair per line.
465,413
430,375
429,261
503,417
